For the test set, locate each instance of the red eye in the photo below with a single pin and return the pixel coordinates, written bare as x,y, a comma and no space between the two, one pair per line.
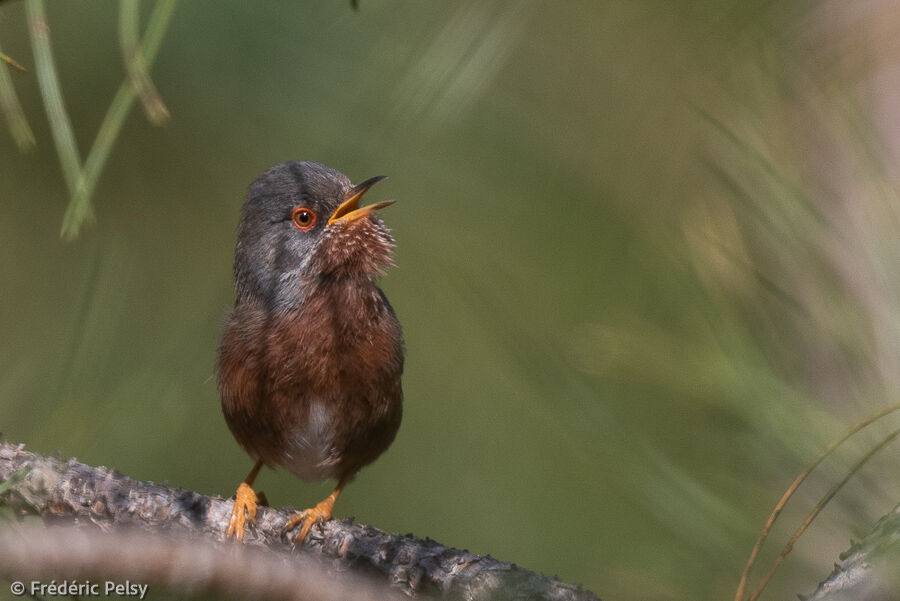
303,218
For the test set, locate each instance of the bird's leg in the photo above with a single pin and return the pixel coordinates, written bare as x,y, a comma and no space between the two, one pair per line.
244,510
319,513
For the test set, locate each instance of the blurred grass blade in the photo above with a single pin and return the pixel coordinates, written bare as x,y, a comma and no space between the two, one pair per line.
129,22
767,166
817,509
793,488
48,81
12,109
113,121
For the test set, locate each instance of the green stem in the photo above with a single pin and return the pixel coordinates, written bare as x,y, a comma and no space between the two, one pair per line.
113,121
48,81
129,22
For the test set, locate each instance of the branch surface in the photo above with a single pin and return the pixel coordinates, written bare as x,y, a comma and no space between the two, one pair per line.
870,569
69,492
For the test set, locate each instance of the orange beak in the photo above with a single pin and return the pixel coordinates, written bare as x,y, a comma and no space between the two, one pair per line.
349,210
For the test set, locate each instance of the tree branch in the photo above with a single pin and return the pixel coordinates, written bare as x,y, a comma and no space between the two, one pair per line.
35,555
869,569
69,492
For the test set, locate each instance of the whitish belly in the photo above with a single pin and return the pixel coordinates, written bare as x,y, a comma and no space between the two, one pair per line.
309,451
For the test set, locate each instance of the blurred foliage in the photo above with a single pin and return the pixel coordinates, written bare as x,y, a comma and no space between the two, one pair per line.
645,264
137,56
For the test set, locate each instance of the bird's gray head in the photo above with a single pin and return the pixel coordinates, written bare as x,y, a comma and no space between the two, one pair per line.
302,223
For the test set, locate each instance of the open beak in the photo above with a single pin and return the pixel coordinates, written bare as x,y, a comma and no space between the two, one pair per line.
349,210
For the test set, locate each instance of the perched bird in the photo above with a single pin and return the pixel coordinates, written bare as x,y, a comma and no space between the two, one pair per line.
311,355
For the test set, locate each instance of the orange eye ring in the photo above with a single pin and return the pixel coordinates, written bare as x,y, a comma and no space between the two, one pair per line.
303,218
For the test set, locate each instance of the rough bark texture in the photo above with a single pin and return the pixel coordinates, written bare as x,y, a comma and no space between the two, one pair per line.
870,569
66,491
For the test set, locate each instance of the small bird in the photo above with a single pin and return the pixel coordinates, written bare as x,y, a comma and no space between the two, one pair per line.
311,355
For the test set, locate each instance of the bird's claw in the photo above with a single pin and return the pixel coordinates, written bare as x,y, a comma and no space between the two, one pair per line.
314,515
244,510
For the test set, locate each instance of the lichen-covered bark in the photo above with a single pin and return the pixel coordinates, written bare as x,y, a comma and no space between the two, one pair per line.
70,492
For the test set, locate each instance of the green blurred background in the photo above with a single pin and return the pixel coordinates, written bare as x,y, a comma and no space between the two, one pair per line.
645,266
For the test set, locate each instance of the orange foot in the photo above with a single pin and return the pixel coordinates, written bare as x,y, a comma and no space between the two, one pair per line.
244,511
308,517
313,515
